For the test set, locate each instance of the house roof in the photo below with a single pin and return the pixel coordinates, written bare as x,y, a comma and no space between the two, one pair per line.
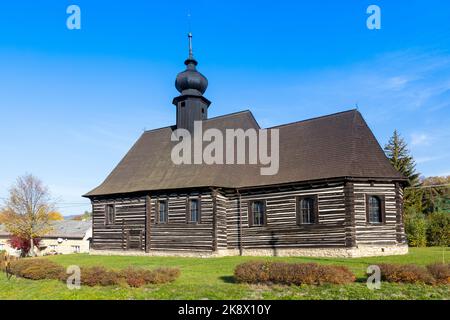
62,229
332,146
70,229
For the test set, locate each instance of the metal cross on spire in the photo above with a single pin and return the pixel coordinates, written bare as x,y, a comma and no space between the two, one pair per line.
190,45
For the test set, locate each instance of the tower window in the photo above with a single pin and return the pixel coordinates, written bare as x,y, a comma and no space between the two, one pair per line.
203,110
183,104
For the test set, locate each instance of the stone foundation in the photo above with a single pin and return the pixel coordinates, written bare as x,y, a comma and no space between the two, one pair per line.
354,252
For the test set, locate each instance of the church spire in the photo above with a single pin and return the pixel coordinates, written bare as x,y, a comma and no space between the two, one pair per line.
191,105
191,81
191,56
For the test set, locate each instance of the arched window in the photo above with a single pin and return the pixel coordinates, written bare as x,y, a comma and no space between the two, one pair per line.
306,213
375,209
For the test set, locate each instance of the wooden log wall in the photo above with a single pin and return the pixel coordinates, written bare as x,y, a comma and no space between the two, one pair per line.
370,234
341,219
177,234
281,230
128,231
401,235
221,214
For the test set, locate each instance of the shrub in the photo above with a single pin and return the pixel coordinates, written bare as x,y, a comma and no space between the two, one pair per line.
416,229
22,244
289,273
37,269
3,260
407,273
163,275
136,277
440,272
438,229
98,276
252,272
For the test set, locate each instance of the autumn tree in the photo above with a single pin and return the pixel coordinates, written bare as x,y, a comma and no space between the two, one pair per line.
2,216
27,210
83,217
55,216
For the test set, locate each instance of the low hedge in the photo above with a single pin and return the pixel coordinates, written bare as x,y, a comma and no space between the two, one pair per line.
292,273
440,272
411,273
134,277
38,269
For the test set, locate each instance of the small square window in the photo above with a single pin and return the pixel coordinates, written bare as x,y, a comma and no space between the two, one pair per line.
76,249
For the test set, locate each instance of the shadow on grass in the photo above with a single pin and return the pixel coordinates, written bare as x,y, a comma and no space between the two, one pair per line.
228,279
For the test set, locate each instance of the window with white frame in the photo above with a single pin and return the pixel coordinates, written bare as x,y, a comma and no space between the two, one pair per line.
76,249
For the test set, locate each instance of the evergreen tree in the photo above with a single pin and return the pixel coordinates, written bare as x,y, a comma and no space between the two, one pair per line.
397,152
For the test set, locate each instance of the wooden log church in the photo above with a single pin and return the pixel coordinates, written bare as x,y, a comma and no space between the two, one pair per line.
335,193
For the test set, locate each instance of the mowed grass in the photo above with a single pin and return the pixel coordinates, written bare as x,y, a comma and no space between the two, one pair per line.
212,278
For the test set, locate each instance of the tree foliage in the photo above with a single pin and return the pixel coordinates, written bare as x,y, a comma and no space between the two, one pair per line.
399,156
55,216
27,209
416,229
22,244
438,230
83,217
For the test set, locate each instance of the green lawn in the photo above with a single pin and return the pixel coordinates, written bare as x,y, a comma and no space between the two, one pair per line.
211,278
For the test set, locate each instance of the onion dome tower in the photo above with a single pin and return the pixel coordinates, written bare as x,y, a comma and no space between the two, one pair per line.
191,105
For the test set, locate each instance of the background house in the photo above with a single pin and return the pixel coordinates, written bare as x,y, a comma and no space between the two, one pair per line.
67,237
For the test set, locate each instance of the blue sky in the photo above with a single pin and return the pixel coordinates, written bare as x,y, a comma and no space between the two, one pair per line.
73,102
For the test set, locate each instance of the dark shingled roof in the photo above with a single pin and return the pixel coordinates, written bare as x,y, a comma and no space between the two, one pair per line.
333,146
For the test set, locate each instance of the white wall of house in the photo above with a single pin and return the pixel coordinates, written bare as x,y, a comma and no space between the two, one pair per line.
64,246
4,245
55,245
